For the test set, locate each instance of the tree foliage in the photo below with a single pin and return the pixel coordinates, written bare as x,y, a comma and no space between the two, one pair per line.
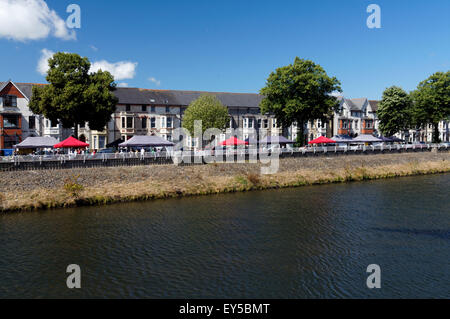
208,109
300,92
394,111
75,95
432,101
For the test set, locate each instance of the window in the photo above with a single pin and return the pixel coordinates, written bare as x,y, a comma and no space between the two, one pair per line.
31,122
129,122
167,109
153,122
274,123
54,124
248,122
128,108
259,123
152,109
266,123
144,123
101,142
10,101
10,121
144,108
163,122
169,137
169,122
230,124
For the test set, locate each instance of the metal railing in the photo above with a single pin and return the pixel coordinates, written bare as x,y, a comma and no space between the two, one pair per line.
31,162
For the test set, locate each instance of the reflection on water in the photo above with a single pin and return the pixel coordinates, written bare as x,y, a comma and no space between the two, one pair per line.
311,242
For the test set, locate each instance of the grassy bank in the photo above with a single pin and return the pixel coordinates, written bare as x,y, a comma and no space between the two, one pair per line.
24,191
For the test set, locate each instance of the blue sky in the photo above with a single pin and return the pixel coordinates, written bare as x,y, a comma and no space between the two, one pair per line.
234,45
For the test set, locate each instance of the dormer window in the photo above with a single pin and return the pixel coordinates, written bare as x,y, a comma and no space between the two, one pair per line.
10,101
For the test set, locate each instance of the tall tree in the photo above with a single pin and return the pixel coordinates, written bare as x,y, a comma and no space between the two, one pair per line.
75,95
300,92
208,109
394,111
432,102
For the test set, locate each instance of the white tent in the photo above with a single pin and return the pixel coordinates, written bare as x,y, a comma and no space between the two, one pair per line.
146,141
37,142
366,139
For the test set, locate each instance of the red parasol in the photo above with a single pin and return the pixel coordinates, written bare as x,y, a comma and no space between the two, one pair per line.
322,140
233,141
71,142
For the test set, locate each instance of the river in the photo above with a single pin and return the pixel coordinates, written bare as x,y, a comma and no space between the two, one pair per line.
309,242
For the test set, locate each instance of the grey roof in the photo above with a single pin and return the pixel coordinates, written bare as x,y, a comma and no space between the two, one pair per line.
146,141
138,96
356,104
25,88
183,98
37,142
374,105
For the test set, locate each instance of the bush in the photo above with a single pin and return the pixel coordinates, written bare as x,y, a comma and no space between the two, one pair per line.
72,186
254,178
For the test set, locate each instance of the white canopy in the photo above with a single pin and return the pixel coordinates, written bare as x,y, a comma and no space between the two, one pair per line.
146,141
366,139
37,142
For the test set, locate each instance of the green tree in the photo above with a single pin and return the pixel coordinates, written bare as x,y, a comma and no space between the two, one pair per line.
300,92
432,102
394,111
208,109
74,95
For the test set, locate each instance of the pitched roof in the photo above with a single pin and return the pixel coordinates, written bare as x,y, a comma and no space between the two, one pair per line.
183,98
356,104
374,105
169,97
25,88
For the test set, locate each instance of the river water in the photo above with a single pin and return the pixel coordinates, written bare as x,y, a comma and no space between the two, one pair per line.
310,242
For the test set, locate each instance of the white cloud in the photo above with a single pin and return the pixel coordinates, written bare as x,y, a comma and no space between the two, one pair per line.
94,48
157,82
42,66
122,85
23,20
337,94
121,70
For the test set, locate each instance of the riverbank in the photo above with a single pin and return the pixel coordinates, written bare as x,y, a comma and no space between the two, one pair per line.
32,190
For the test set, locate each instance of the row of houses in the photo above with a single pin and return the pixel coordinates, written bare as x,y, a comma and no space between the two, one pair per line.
160,112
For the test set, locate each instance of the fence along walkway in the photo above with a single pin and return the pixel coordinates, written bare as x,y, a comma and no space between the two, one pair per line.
36,162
